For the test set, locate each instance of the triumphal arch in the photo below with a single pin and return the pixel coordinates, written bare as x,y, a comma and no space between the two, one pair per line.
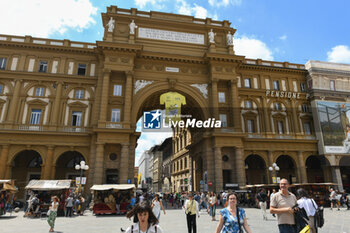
63,101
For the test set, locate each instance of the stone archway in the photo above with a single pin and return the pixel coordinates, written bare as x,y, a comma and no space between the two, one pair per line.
255,168
288,168
316,167
26,166
65,165
344,165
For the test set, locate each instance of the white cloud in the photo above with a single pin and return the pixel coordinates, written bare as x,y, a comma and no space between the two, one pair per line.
155,3
252,48
224,3
197,11
149,139
42,17
284,37
339,53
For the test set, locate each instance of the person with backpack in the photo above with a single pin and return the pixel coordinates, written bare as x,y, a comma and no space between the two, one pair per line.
144,219
232,218
262,202
310,206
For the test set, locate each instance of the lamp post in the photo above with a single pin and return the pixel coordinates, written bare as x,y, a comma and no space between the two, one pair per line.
274,168
81,167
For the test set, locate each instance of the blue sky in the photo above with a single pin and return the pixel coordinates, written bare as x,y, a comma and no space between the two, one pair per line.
281,30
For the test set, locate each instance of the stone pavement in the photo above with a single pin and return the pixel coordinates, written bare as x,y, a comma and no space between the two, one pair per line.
173,222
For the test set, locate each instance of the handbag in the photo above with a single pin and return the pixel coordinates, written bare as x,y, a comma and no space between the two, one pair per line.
319,219
239,222
306,229
49,212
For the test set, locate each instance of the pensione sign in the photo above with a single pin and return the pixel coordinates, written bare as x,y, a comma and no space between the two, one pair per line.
283,94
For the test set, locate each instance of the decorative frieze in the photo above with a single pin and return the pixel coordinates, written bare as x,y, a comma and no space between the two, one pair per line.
203,88
139,84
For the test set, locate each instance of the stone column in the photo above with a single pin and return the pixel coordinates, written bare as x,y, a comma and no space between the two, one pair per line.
295,118
104,98
218,169
236,108
302,168
266,116
128,96
337,177
3,160
209,156
240,167
270,162
57,103
99,166
92,159
53,171
14,102
131,162
48,163
8,171
214,98
124,163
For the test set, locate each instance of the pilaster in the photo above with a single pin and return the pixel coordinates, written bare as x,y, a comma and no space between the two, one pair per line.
104,99
3,160
99,170
128,96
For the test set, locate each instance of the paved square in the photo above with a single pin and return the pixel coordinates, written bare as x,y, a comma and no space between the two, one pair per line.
173,222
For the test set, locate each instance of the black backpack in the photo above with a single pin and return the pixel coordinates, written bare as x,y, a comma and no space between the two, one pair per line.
318,215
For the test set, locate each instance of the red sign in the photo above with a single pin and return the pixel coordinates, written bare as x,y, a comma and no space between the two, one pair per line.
210,183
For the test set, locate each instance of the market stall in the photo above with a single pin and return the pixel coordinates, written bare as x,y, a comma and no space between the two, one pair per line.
7,191
43,190
107,195
318,191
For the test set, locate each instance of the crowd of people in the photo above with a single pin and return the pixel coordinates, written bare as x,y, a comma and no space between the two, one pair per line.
145,208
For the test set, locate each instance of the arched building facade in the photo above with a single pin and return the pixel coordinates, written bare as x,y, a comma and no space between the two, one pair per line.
63,101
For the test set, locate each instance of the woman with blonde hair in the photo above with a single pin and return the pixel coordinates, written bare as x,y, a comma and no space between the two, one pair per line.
52,213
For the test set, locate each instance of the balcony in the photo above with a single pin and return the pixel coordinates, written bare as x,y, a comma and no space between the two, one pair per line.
114,125
31,127
74,129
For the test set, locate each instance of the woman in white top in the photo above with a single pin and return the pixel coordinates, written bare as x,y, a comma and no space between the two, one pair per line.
156,206
53,213
212,203
144,220
310,207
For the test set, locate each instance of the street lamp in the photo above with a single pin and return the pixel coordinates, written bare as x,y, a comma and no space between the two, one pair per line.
274,168
81,167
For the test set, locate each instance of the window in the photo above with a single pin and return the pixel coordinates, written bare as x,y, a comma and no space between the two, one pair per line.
247,83
117,91
223,120
278,107
81,69
2,63
276,85
309,84
307,128
76,118
302,87
250,126
305,108
185,162
42,66
39,91
35,117
181,164
222,97
280,127
1,88
332,85
79,94
115,115
248,104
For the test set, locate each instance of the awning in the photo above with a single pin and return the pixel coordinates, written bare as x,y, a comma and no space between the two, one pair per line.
5,181
9,188
49,184
101,187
